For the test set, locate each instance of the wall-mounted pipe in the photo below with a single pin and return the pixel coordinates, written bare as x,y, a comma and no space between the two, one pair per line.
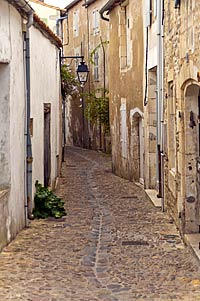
162,109
106,8
160,100
57,24
29,158
146,66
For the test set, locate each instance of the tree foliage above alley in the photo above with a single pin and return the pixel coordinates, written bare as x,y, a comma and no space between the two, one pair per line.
70,84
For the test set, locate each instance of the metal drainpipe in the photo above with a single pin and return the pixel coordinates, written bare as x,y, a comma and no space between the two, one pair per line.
104,87
63,99
162,106
158,98
89,80
57,25
29,158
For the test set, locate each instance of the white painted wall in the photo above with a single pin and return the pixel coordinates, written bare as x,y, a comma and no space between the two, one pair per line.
45,88
5,34
12,116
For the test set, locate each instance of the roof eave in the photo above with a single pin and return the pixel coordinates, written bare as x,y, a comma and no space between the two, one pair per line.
108,7
38,23
88,3
22,6
69,6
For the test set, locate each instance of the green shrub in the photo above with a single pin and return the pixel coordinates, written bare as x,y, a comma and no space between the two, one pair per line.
47,204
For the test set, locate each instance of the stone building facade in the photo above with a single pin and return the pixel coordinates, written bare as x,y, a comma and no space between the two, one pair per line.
155,101
75,44
86,34
126,63
182,111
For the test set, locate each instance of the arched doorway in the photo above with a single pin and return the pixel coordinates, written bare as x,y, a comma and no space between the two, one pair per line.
191,158
137,145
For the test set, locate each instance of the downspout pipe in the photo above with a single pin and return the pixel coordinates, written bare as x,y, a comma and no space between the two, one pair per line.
104,87
146,66
106,8
159,103
162,106
58,21
29,157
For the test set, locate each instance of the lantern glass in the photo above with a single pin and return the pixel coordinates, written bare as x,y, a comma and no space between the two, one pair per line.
82,72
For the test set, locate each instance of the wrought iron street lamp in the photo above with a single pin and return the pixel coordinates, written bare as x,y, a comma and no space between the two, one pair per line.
82,72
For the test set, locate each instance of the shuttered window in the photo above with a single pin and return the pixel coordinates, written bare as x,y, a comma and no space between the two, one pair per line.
123,130
76,23
96,66
95,21
148,13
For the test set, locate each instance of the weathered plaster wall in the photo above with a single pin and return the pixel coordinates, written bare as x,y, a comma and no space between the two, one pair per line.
12,116
5,35
126,86
45,89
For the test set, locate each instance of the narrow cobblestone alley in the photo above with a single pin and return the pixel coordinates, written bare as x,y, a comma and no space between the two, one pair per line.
113,245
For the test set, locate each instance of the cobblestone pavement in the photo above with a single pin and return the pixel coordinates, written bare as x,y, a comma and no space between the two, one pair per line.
114,245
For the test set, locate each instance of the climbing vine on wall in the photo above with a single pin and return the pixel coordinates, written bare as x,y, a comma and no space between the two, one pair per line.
100,45
97,107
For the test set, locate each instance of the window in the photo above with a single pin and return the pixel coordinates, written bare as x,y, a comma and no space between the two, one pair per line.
125,37
76,23
96,66
45,20
123,131
155,8
5,125
96,21
148,12
171,126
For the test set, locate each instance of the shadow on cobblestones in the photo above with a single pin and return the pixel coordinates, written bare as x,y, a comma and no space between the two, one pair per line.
112,246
